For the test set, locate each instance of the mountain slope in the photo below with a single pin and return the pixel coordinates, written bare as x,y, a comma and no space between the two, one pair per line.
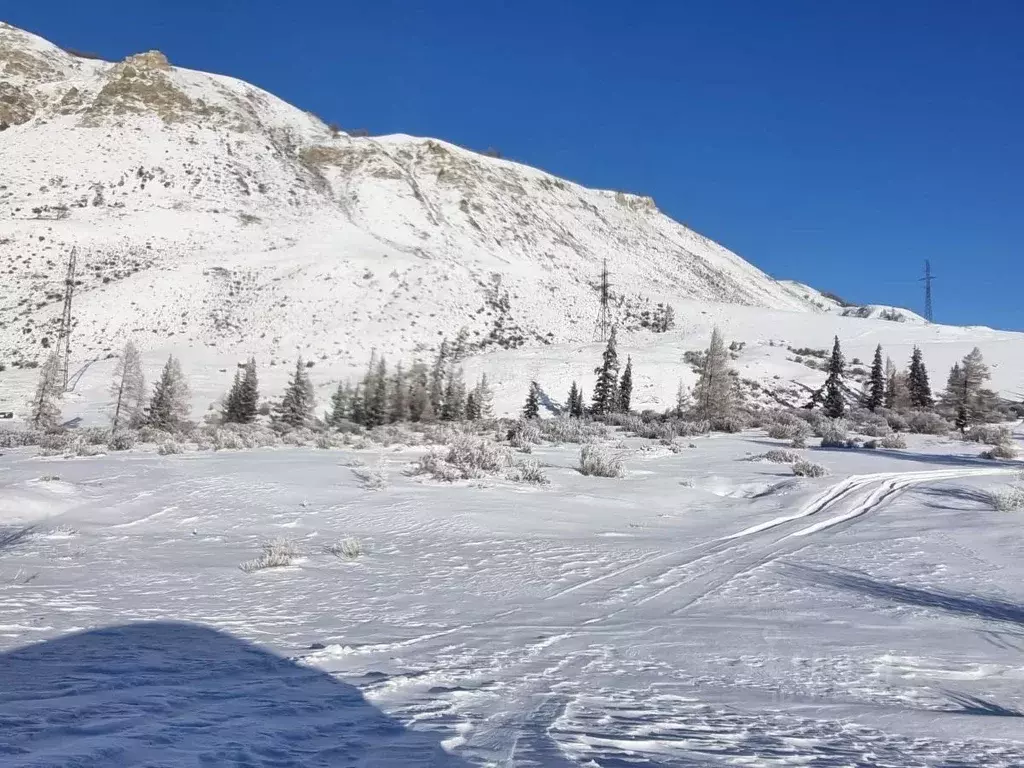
207,212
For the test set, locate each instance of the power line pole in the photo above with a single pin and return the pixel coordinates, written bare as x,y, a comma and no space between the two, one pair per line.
604,317
927,280
64,336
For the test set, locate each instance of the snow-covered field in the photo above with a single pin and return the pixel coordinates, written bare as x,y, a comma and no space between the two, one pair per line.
704,610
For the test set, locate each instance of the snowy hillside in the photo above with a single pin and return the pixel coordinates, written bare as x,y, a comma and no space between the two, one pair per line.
831,303
207,212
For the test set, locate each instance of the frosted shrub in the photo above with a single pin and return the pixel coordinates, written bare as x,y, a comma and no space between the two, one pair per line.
788,430
1001,452
1009,499
808,469
122,441
275,554
833,434
800,441
394,434
300,437
566,430
95,436
870,424
730,424
150,434
527,472
20,438
895,441
523,435
441,434
348,548
597,462
927,423
778,456
989,435
61,442
373,478
170,448
466,458
897,421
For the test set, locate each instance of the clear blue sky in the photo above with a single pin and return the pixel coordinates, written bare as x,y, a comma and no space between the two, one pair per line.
838,142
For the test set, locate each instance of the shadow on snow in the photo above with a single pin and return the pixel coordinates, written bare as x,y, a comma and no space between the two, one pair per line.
173,693
959,603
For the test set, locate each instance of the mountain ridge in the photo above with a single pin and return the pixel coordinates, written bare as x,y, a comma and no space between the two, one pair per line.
193,193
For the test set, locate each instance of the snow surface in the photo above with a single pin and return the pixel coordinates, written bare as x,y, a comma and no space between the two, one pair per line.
705,610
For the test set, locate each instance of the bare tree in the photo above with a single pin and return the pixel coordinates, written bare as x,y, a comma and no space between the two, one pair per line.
713,394
46,402
128,388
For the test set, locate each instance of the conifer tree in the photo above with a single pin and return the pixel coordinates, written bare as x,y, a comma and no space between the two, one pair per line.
574,404
965,393
230,413
531,410
454,406
420,408
339,405
920,389
460,347
437,383
377,396
714,392
128,389
835,406
296,407
45,412
357,405
472,406
399,403
606,393
626,387
249,395
876,385
890,384
484,398
682,399
169,406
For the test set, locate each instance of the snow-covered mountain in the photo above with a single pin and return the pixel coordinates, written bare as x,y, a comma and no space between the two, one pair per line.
208,212
214,221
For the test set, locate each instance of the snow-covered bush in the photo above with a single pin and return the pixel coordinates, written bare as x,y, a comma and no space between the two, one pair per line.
566,430
466,458
808,469
1009,499
595,461
441,434
170,448
989,435
523,435
275,554
394,434
732,424
348,548
122,440
871,424
927,423
897,421
834,434
800,441
95,436
778,456
299,437
527,472
150,434
895,441
1001,452
61,442
20,438
788,430
373,478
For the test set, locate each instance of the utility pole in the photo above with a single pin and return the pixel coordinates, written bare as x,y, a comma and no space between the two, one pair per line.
927,280
64,336
604,317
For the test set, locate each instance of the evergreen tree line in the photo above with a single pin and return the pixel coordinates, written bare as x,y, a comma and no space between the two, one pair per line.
418,393
612,393
965,400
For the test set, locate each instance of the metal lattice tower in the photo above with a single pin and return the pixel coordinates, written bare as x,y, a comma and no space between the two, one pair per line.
604,317
927,280
64,335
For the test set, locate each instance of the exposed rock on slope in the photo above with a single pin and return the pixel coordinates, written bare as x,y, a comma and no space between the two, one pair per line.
208,212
